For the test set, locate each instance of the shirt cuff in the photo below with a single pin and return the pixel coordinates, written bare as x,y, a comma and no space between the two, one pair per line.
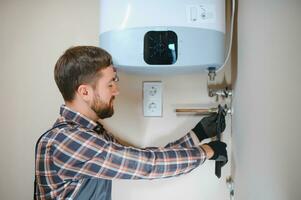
204,153
195,139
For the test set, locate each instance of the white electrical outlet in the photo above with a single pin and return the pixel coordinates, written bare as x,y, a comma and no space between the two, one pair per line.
152,99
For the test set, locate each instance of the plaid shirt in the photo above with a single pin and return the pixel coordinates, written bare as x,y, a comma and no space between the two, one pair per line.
77,148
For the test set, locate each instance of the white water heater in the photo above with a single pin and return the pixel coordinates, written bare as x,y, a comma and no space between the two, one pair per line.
163,34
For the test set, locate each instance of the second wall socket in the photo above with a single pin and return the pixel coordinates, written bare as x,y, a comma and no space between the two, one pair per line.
152,99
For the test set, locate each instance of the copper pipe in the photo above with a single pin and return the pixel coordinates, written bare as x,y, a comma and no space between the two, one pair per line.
201,111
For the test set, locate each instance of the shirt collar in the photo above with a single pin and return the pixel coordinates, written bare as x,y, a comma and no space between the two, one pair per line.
78,118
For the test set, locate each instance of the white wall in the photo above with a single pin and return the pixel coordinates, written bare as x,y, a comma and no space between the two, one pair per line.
129,123
33,34
266,124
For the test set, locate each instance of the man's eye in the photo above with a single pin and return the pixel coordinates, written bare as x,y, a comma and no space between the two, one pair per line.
116,79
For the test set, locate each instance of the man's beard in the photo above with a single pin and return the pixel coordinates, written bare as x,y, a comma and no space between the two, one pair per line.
103,110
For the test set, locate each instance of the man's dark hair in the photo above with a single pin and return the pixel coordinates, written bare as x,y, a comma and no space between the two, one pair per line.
79,65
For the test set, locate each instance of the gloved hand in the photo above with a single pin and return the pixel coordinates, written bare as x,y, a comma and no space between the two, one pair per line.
211,126
220,151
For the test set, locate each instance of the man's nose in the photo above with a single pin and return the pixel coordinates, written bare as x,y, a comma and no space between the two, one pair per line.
116,91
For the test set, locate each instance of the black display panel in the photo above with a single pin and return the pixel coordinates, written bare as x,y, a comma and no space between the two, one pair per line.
160,47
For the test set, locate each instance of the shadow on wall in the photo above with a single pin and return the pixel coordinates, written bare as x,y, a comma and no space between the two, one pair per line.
234,70
234,49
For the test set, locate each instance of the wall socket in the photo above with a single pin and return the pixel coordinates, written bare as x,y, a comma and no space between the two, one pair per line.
152,99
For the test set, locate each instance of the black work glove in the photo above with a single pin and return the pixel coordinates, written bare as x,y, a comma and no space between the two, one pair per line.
220,151
211,126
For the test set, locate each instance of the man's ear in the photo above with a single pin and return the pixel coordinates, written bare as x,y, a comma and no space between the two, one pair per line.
85,92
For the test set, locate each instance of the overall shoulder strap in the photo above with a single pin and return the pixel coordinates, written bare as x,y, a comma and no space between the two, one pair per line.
58,125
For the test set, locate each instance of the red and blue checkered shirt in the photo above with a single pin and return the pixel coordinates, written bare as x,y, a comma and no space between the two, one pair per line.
77,148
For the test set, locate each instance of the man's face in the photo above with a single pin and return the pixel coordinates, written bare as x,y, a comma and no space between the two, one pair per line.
104,93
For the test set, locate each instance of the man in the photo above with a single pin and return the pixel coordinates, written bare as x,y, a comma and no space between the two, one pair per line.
77,158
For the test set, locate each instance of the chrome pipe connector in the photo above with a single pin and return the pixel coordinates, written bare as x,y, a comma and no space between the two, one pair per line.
220,92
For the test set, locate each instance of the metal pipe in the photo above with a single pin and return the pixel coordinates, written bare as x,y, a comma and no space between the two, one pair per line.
202,111
205,111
